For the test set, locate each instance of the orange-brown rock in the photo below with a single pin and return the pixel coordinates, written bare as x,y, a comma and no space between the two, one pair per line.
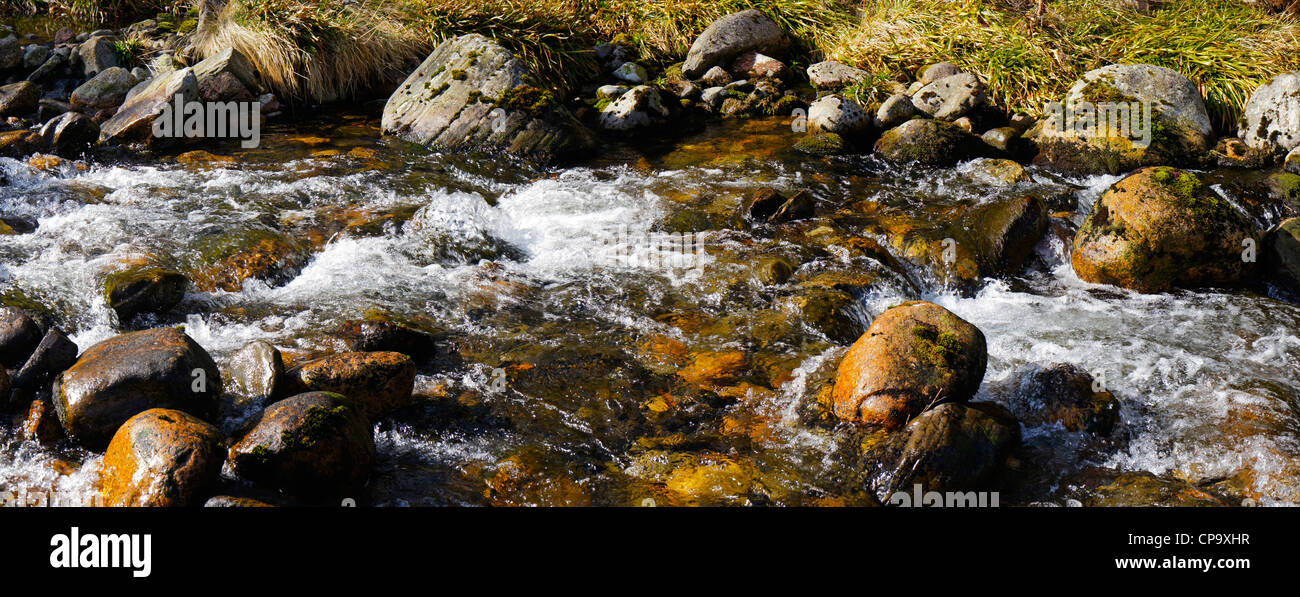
913,356
42,423
161,457
378,382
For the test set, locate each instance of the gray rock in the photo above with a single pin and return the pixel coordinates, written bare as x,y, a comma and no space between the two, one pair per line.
951,97
19,336
610,91
51,357
70,133
140,73
105,90
256,371
214,74
1270,121
35,56
11,53
894,111
631,72
472,92
52,65
1000,138
639,107
97,54
941,70
732,35
713,97
834,75
715,77
914,87
134,120
19,98
841,116
741,85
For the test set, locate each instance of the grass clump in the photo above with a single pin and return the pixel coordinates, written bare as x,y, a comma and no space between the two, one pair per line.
1227,47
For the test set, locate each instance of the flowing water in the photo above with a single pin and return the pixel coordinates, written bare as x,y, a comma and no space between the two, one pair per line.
566,375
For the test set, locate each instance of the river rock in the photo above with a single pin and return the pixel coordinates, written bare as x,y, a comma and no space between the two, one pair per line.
226,76
631,72
713,97
19,98
97,55
142,285
105,90
227,258
70,133
134,120
53,66
16,144
715,77
52,356
1159,228
938,71
256,371
1270,120
20,334
831,75
42,423
952,447
35,55
952,97
731,36
895,110
313,445
161,458
753,66
1062,394
377,382
11,53
379,335
639,107
1283,254
913,356
838,115
470,91
130,373
930,142
1180,126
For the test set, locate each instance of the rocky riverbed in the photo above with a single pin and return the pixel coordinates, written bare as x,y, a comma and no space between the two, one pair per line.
722,283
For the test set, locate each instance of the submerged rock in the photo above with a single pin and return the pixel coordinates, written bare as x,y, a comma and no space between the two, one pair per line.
913,356
127,374
378,335
142,285
227,258
1159,228
472,92
313,445
731,36
1270,120
376,382
1062,394
1180,131
161,458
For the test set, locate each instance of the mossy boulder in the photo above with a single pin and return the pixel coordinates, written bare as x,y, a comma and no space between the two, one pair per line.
142,284
952,447
930,142
1160,228
161,458
314,445
913,356
224,260
1180,131
377,382
130,373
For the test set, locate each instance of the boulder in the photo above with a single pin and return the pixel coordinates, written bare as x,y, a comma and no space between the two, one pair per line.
1270,120
11,53
894,111
134,120
313,445
731,36
130,373
142,285
161,458
952,97
930,142
19,98
256,371
226,76
52,356
950,448
376,382
97,54
1179,132
840,116
1159,228
831,75
20,334
471,92
639,107
70,134
1062,394
913,356
104,90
